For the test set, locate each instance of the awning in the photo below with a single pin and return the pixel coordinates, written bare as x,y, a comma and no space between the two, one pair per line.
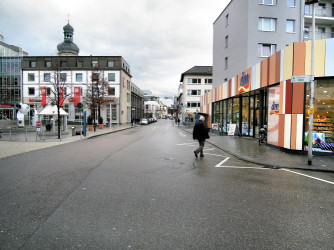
52,110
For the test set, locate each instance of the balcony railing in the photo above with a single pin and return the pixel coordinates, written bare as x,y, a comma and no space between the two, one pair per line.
318,35
320,12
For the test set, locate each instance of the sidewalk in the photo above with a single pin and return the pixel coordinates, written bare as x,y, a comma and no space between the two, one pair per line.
20,143
248,149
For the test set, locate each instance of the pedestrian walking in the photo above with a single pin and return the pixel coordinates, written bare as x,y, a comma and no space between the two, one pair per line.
200,133
178,122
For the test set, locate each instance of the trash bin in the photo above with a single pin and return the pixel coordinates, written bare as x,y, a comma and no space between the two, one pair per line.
73,131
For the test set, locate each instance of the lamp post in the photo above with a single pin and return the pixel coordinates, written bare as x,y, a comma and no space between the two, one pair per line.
311,109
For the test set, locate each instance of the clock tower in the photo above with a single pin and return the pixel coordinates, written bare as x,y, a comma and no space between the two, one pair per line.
67,47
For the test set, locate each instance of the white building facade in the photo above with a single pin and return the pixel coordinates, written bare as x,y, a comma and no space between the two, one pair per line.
76,74
194,82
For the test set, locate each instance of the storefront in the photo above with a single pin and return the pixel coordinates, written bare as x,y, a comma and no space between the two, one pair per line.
265,95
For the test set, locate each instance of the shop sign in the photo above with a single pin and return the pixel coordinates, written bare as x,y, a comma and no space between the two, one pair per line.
5,105
35,100
305,78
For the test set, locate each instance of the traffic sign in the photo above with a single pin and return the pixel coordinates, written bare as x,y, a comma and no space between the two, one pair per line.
305,78
38,123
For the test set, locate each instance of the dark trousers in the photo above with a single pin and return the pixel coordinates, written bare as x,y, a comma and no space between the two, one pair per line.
200,148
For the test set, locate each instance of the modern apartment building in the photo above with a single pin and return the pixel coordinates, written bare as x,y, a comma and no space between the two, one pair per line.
10,79
194,82
247,32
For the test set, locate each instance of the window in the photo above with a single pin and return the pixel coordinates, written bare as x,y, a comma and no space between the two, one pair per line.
207,91
79,64
128,97
31,77
307,9
307,32
111,64
194,92
266,50
226,62
290,26
111,91
63,77
226,41
321,30
78,77
193,105
48,64
291,3
95,77
208,81
321,6
94,63
63,64
267,24
111,77
194,81
267,2
31,91
226,19
33,64
47,77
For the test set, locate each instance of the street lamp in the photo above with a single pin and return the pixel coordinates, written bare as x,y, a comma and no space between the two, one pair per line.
311,109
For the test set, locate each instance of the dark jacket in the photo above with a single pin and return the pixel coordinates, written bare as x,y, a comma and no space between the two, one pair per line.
201,131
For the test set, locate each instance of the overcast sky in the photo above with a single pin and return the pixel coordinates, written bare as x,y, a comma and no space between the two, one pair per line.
159,39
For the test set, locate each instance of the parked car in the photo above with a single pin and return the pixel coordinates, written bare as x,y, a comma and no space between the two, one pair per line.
144,121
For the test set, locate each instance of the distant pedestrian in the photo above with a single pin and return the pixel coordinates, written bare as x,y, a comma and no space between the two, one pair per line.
178,122
200,133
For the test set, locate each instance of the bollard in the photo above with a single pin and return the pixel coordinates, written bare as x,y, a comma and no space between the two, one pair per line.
10,134
26,135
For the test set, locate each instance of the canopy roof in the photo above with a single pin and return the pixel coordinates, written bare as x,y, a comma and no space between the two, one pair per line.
52,110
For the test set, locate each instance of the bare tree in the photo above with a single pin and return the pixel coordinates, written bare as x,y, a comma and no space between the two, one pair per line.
59,95
96,93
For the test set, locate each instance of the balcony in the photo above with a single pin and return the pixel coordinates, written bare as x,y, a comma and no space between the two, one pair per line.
318,35
323,15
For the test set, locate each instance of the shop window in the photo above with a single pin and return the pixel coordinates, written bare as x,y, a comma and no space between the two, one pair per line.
323,117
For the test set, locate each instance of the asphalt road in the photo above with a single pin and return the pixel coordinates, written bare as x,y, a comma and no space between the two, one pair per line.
143,189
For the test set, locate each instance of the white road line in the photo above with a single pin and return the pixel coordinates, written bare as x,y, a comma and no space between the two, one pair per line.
243,167
208,149
330,182
186,144
215,155
222,162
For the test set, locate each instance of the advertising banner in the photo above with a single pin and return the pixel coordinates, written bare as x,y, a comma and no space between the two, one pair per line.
43,94
77,95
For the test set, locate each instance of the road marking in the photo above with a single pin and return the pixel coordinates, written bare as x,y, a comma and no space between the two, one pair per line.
191,144
180,133
330,182
242,167
222,162
208,149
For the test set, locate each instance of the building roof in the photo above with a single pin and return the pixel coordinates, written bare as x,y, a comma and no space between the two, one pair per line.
198,70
